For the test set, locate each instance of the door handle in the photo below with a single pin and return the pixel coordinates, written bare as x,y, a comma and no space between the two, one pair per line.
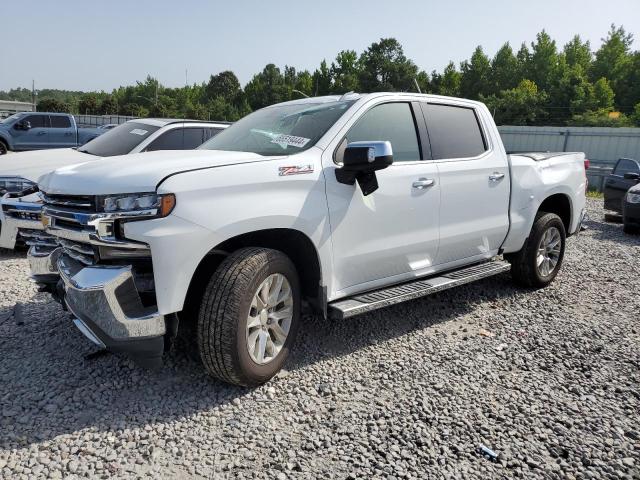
423,183
42,133
495,176
68,134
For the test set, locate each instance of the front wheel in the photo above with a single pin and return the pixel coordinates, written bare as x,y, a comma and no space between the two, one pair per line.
249,316
3,148
540,259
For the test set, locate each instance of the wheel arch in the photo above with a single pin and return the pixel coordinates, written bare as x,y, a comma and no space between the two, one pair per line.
560,204
293,243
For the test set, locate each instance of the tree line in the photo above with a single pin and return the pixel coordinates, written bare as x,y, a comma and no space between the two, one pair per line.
539,84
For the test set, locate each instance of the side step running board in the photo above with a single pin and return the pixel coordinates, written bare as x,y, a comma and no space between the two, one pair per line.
366,302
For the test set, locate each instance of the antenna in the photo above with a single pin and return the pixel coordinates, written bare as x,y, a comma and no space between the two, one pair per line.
415,80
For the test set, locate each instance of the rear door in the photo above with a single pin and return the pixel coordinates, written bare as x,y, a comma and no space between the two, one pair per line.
182,138
615,186
62,133
34,138
474,184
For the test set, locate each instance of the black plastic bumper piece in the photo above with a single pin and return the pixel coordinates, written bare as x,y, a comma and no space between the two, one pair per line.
145,352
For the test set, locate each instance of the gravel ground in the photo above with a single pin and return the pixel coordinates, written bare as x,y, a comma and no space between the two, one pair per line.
548,379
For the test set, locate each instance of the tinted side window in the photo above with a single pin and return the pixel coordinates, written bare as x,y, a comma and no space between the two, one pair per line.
176,139
454,132
37,121
391,122
58,121
626,166
211,132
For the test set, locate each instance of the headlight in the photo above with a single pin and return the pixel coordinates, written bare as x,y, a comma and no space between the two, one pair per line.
633,197
138,202
15,185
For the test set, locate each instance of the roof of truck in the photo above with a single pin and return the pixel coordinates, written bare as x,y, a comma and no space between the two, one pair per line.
161,122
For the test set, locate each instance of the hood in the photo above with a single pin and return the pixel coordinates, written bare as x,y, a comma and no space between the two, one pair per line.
139,172
32,165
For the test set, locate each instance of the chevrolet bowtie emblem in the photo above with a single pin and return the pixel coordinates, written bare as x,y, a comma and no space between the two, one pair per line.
46,221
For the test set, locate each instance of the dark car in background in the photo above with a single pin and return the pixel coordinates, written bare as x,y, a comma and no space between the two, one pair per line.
625,174
631,210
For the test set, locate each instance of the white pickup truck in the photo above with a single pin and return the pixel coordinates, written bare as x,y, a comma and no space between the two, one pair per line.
333,205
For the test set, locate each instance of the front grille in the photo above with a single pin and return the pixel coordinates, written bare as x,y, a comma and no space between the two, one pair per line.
84,203
37,238
20,212
81,252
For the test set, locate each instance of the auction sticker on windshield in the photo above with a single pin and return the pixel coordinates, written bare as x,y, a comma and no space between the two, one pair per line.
290,141
139,131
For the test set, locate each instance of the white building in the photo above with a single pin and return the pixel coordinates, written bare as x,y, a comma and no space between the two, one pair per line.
9,107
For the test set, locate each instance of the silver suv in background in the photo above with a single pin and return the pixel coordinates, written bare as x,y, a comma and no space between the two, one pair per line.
20,206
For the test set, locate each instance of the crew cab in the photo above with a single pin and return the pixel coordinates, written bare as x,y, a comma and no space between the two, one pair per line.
20,207
335,205
41,130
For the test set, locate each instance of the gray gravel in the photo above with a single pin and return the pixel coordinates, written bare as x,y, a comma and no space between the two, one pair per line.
548,379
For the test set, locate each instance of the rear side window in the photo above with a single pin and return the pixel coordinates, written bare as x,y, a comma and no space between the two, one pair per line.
391,122
454,132
58,121
625,165
37,121
180,139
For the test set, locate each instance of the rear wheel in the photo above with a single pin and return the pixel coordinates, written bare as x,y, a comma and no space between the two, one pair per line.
3,148
540,259
249,316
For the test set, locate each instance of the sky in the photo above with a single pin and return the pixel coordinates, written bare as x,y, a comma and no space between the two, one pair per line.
90,45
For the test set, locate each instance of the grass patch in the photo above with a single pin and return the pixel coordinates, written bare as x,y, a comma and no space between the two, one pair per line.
595,194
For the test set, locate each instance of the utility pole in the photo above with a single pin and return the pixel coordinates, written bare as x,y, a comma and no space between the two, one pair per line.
33,94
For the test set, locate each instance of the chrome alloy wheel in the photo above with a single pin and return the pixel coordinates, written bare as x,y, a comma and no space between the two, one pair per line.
269,318
549,251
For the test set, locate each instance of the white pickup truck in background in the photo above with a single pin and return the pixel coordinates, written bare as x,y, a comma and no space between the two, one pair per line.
20,208
339,205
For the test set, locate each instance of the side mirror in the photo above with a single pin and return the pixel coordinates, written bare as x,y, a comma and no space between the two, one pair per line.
632,176
23,125
360,162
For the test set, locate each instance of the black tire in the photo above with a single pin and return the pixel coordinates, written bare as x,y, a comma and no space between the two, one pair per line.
222,320
524,270
3,148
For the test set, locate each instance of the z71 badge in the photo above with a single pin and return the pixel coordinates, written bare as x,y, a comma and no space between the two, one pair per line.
295,170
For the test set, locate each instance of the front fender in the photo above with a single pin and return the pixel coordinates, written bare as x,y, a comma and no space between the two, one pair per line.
217,204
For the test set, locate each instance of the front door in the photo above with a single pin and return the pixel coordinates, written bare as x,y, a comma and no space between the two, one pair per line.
474,184
390,235
35,137
616,186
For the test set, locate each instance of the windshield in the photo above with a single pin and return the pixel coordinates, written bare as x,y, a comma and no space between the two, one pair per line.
280,130
11,118
119,140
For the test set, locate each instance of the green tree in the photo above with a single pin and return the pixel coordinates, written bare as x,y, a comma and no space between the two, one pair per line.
523,105
52,105
109,106
449,83
224,84
88,105
542,61
386,68
577,52
345,72
322,80
505,71
266,88
603,95
475,79
612,54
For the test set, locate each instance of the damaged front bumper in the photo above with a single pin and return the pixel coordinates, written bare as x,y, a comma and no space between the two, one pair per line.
109,310
21,223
